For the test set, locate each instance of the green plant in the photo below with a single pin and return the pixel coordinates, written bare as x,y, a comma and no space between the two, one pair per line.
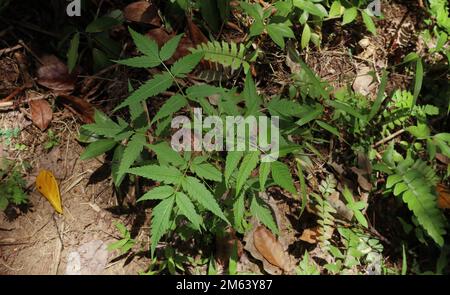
125,243
415,181
12,185
52,141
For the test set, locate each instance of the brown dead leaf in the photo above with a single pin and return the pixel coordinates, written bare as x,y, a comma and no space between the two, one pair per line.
362,179
442,158
54,74
79,106
142,12
310,235
161,37
195,33
269,247
41,113
443,196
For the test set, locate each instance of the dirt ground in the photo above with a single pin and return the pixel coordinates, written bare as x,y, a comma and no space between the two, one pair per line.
35,239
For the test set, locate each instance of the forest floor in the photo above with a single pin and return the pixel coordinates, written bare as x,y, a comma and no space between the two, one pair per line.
36,240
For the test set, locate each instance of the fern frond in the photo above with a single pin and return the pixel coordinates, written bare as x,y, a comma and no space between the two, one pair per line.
416,183
326,221
227,54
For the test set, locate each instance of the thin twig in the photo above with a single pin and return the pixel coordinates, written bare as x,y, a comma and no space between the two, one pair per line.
390,137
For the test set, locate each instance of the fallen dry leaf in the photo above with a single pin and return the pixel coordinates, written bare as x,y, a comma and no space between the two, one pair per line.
269,247
443,196
79,106
195,33
142,12
54,74
310,235
48,187
41,113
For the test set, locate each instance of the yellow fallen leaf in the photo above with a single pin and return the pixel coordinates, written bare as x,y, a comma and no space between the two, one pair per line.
310,235
48,187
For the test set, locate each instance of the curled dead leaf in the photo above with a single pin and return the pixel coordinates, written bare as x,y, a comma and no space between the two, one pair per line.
54,74
142,12
310,235
443,196
41,113
270,248
82,108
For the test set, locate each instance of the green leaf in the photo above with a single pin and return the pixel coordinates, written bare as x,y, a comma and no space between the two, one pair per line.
186,64
131,153
170,47
118,153
350,15
239,211
158,84
282,176
210,13
207,171
335,9
261,211
101,24
328,128
166,154
278,32
72,54
171,106
157,193
103,126
306,36
160,221
421,131
187,209
418,81
252,99
158,173
264,171
203,196
380,97
145,45
249,163
140,62
97,148
308,6
231,163
370,25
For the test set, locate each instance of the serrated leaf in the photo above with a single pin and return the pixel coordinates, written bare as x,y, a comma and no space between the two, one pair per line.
231,163
171,106
158,84
118,153
264,171
263,214
207,171
97,148
103,125
170,47
203,196
157,193
145,45
140,62
169,175
166,154
252,99
160,221
282,176
248,165
239,211
186,64
131,153
187,208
